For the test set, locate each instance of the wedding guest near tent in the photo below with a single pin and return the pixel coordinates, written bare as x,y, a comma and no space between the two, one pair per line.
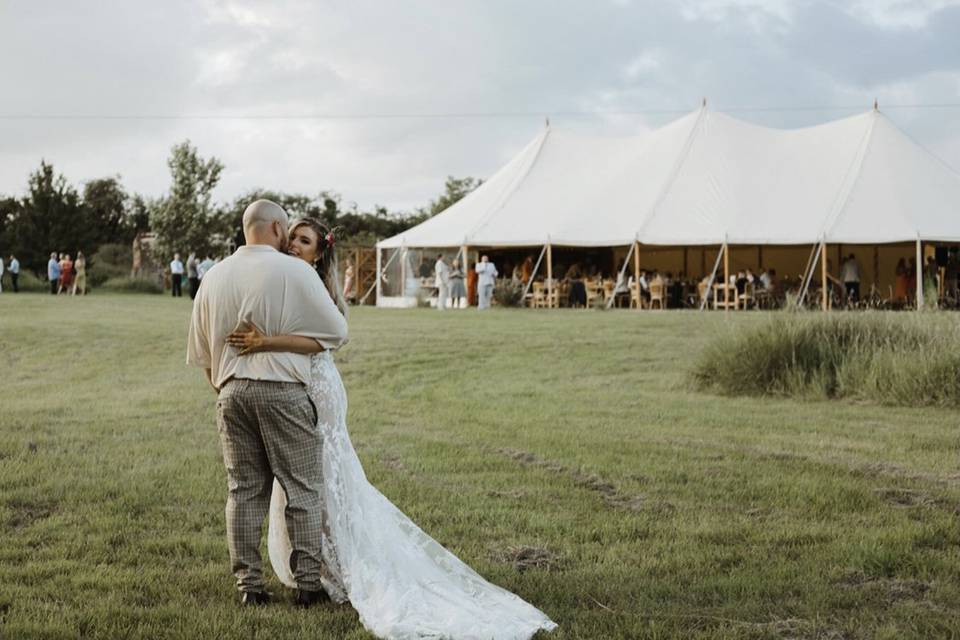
486,278
14,270
441,282
66,274
577,298
176,276
458,291
80,280
911,279
193,274
53,273
472,279
526,270
205,265
951,276
850,274
901,283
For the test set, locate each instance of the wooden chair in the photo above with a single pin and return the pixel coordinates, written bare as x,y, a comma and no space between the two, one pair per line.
538,298
724,296
636,300
658,295
702,291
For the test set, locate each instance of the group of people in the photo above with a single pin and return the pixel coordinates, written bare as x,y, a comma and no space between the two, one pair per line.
194,270
67,276
13,268
456,288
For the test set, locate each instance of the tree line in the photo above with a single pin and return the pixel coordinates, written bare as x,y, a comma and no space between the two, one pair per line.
54,215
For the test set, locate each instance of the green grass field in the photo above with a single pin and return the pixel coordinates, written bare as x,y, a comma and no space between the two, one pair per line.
564,455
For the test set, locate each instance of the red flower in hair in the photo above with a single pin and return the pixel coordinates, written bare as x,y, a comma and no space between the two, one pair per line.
330,240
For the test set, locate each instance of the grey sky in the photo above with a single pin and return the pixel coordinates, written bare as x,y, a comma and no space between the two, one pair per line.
550,57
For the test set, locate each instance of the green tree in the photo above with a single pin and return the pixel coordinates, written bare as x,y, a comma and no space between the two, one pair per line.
185,220
107,205
454,190
50,218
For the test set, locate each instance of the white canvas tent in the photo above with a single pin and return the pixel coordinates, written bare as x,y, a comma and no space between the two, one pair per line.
708,179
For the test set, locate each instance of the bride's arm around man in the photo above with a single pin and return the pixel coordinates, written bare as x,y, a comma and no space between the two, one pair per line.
266,420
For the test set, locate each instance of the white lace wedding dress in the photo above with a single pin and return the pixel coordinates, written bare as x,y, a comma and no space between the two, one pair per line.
401,581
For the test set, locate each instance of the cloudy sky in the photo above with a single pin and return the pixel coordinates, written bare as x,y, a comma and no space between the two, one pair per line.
380,100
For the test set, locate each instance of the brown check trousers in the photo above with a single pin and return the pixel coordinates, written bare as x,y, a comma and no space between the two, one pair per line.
269,429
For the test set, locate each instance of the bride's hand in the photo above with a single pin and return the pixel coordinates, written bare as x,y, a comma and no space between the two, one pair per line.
247,340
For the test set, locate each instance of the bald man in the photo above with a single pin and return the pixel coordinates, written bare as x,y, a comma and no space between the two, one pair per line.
267,422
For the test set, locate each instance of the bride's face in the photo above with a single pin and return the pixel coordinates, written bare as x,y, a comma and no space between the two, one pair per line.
304,244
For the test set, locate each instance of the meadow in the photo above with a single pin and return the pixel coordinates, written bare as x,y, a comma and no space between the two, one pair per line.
565,455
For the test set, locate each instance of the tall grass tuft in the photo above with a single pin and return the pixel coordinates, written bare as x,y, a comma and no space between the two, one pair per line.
128,284
901,359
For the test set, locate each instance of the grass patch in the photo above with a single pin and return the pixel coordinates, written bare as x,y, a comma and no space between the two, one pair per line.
558,453
889,358
131,284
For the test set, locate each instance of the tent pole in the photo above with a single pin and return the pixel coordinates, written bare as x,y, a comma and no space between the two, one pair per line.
380,273
464,266
726,276
713,277
549,276
823,276
533,274
403,272
808,272
636,273
919,274
623,271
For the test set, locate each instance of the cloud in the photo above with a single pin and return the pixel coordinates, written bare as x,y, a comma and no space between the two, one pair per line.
276,62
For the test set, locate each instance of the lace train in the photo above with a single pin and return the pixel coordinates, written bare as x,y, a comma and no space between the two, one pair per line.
403,584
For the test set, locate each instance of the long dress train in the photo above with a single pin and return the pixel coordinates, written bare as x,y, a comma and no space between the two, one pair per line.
403,584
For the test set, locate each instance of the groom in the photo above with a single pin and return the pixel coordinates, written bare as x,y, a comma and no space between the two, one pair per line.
267,422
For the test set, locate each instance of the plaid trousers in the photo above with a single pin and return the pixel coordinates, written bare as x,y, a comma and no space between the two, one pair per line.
269,429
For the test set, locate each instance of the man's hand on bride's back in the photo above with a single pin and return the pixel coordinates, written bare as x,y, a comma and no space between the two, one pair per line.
247,339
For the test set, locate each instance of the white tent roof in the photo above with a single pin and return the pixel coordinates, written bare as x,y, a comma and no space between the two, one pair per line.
706,178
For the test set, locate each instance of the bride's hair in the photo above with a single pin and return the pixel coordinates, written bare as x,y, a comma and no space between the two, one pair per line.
326,264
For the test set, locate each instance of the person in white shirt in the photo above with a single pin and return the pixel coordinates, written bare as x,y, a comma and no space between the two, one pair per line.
205,265
14,272
441,281
1,275
850,274
487,277
176,275
266,418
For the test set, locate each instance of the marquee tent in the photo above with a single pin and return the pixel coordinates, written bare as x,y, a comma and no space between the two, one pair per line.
708,179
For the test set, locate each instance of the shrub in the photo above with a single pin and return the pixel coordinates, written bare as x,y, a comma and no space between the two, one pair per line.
111,261
904,359
27,282
127,284
508,293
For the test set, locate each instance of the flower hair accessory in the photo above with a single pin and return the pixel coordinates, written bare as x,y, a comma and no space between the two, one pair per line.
330,241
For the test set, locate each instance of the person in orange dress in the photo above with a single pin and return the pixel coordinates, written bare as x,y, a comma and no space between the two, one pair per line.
472,285
66,274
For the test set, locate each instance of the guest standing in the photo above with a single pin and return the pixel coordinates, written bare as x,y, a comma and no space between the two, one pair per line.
53,272
66,274
176,275
441,281
80,280
348,293
472,286
850,274
457,291
486,278
14,272
205,266
193,275
901,290
1,274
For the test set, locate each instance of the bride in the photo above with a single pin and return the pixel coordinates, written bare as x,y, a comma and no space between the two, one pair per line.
403,584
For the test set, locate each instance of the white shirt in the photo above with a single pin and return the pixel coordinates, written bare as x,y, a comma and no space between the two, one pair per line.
1,266
765,280
850,272
442,276
487,272
204,266
176,267
276,293
14,265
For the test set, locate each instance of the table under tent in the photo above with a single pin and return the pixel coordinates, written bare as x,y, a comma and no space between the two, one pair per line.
705,196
